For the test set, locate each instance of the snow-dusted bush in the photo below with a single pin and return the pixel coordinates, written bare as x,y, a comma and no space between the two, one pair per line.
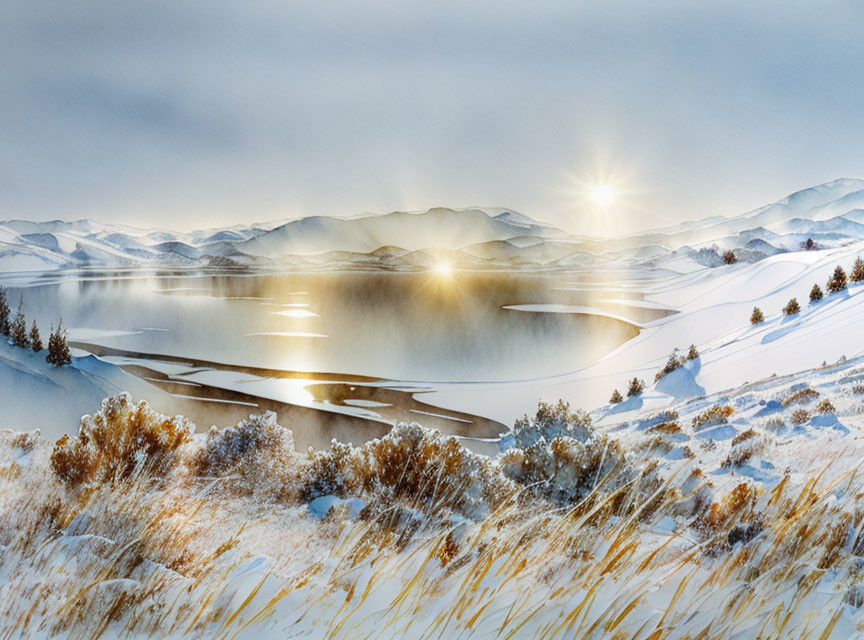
799,416
117,440
552,421
825,406
559,457
669,428
716,415
256,456
744,446
418,466
658,446
616,397
773,425
802,396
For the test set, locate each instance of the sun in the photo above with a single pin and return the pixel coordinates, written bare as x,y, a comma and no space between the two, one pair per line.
443,268
602,195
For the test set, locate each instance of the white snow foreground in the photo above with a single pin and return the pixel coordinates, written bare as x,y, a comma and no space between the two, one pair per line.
730,516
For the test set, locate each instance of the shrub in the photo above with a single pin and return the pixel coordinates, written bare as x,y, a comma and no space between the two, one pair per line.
802,396
669,428
729,257
773,425
837,281
858,389
411,464
815,293
791,307
744,446
712,417
799,416
117,441
257,456
857,274
637,386
825,407
560,458
616,397
692,352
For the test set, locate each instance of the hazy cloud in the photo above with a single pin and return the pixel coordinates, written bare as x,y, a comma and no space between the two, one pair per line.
187,113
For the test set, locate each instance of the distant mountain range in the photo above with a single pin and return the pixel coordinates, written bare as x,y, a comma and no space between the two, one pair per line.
829,215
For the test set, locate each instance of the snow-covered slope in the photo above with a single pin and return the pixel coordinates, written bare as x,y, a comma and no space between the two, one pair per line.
714,307
34,394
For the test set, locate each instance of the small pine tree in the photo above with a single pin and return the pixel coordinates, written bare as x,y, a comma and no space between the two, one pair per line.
837,281
18,329
637,386
792,307
756,317
692,352
58,348
674,362
729,257
616,397
5,326
857,274
35,338
815,293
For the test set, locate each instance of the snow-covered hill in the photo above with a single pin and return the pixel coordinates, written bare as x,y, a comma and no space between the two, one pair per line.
825,216
26,245
35,394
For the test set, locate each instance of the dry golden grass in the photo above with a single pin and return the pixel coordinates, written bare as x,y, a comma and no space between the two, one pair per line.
177,554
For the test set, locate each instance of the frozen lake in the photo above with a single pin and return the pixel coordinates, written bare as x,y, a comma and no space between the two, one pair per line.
355,343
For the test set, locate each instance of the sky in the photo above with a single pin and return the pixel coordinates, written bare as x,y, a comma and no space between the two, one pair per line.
195,113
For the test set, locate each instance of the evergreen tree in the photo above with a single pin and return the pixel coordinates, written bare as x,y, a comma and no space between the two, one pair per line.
5,328
791,307
18,329
837,281
857,274
35,338
815,293
58,348
692,353
756,317
616,397
729,257
674,362
636,388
